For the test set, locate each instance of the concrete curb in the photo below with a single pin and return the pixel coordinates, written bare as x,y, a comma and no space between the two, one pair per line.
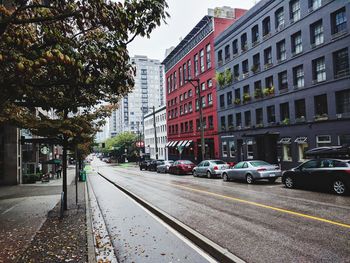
219,253
90,242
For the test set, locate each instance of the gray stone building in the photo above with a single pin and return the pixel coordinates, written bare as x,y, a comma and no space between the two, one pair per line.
283,80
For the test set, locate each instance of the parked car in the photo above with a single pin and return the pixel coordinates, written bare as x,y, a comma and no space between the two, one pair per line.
181,167
251,171
164,167
144,164
153,165
210,168
333,174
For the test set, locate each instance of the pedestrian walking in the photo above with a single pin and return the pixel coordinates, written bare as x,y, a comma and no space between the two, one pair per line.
59,171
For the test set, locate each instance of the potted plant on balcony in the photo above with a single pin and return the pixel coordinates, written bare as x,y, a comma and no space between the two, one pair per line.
321,117
259,125
220,78
268,91
228,77
300,119
246,97
255,68
237,101
230,128
258,94
285,121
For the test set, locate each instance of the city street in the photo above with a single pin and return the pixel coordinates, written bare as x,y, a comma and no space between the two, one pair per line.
259,223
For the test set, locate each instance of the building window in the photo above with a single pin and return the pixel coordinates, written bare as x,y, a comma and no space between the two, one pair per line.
245,66
314,4
190,106
230,122
197,104
268,56
279,18
298,76
184,69
342,101
224,149
316,30
208,50
223,123
266,24
300,110
237,96
210,99
269,83
284,113
227,53
286,149
244,42
210,122
238,120
250,151
302,148
209,83
180,76
196,70
256,63
338,21
321,108
255,34
235,47
283,80
189,74
247,119
203,101
297,44
281,51
201,61
232,149
259,117
174,83
222,100
294,10
323,140
271,117
341,63
229,97
236,72
203,86
319,69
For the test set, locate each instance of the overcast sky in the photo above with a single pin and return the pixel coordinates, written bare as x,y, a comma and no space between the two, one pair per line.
185,14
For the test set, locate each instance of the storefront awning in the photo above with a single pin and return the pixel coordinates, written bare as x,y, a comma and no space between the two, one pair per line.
168,143
52,161
180,143
301,140
285,140
188,143
175,143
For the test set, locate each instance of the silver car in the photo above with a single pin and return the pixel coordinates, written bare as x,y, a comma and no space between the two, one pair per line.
210,168
164,167
251,171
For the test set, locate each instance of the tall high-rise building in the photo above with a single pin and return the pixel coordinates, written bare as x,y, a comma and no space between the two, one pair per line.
148,92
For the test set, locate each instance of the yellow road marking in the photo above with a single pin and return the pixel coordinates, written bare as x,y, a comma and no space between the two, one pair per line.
265,206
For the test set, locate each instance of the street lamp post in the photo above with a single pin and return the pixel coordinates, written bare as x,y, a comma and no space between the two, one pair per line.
197,81
155,132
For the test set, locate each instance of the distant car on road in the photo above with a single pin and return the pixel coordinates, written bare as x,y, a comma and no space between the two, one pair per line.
251,171
333,174
210,168
144,164
153,165
164,167
181,167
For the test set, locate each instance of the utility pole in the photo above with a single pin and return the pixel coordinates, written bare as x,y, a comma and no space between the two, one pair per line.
155,132
201,126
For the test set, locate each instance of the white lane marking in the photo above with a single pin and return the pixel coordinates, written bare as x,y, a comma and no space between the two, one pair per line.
9,209
177,234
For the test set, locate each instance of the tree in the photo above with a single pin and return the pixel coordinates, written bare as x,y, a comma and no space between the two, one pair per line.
118,144
68,57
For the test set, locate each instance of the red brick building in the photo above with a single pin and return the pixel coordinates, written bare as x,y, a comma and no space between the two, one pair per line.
193,58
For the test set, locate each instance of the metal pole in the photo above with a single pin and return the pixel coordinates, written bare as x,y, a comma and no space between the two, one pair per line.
76,174
201,126
155,132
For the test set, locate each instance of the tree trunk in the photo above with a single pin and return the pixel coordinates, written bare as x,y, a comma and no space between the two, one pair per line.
64,167
76,175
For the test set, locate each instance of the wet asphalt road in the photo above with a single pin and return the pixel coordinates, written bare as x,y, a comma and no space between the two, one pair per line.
259,223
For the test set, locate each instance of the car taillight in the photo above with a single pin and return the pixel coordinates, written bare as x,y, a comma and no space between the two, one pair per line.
261,169
347,171
216,168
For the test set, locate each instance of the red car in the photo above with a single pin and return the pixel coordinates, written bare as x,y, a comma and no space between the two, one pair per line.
181,167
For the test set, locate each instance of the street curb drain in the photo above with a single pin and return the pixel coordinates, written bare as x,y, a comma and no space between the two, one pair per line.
217,252
104,249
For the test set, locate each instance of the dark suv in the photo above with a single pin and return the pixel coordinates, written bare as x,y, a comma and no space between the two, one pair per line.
153,165
325,172
144,164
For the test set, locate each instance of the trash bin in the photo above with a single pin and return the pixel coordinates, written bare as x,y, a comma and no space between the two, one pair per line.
82,176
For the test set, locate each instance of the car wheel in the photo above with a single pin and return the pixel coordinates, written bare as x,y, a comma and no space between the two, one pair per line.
272,180
140,169
194,174
289,182
225,177
158,171
209,174
339,186
249,179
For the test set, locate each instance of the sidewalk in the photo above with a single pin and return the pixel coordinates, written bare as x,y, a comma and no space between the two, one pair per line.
30,227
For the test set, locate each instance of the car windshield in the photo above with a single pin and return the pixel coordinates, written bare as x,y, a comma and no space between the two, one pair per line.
218,162
259,163
186,162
